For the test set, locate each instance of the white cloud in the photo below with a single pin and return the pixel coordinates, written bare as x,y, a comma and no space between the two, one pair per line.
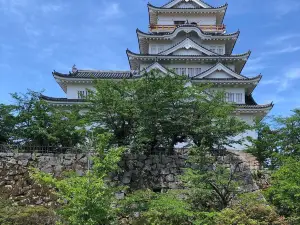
282,38
255,65
282,8
285,81
293,73
49,8
289,49
112,10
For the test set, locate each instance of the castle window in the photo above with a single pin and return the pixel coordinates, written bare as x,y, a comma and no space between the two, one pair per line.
193,71
229,97
220,50
153,49
82,94
239,97
179,22
161,49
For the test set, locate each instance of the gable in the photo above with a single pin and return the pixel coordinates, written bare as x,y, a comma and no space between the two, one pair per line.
188,46
183,3
157,66
219,71
184,51
219,74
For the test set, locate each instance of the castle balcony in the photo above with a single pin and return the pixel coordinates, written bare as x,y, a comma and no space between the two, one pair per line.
204,28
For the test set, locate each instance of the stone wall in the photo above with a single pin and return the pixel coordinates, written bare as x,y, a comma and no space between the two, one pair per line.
16,184
156,172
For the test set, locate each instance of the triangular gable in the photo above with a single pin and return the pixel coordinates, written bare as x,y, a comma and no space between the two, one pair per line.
187,44
217,68
198,3
156,65
184,5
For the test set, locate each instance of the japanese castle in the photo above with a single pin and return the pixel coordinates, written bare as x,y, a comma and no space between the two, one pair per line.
188,37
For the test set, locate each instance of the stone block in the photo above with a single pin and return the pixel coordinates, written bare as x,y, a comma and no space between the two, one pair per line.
170,178
120,195
173,185
142,157
165,171
148,162
126,180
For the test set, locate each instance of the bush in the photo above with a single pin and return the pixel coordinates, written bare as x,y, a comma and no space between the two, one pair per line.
158,209
249,209
29,215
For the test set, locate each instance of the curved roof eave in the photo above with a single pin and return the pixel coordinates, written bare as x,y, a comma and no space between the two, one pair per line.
222,7
243,55
173,34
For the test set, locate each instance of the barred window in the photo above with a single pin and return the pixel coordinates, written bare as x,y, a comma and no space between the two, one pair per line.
239,97
229,97
82,94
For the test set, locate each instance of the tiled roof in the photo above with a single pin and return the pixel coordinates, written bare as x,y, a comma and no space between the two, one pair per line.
227,79
100,74
207,56
53,99
250,103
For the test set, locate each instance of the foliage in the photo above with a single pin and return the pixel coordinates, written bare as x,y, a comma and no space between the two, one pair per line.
87,199
11,214
249,209
277,140
284,192
158,111
212,185
30,120
156,208
7,122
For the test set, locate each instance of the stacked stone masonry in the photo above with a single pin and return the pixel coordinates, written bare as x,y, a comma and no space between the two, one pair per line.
156,172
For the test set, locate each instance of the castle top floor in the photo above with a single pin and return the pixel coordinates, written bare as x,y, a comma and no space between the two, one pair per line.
180,12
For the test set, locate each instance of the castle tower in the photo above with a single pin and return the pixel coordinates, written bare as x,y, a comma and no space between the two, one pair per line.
188,37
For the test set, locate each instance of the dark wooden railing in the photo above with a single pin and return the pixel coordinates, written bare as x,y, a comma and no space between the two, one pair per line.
206,28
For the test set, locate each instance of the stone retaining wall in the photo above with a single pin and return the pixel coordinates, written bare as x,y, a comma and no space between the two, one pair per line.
138,171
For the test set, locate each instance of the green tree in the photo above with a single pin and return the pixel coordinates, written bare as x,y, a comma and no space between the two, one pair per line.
278,139
87,199
158,111
38,123
156,208
212,184
7,122
249,209
284,192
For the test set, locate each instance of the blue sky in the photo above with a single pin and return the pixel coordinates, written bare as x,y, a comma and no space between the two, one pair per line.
39,36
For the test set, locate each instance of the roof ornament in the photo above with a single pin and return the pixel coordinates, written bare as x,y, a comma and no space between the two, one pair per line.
74,69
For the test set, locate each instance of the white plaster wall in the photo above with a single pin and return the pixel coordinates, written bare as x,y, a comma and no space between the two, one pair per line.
249,119
202,20
72,89
164,45
219,74
184,51
203,67
235,90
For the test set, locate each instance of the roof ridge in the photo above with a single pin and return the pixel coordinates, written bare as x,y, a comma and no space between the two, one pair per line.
105,71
